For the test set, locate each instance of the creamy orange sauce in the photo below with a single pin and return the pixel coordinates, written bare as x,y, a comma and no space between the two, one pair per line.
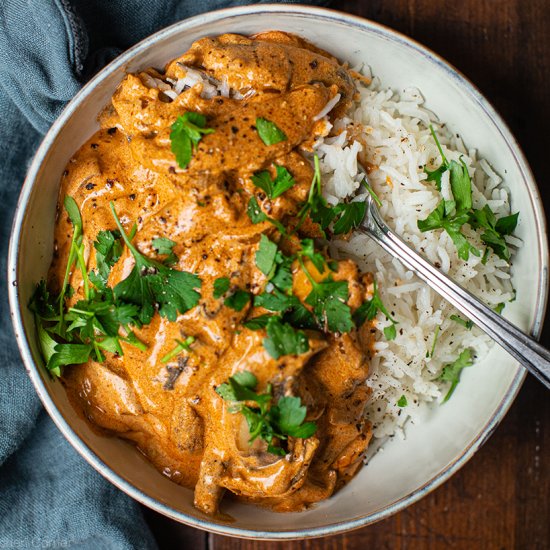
171,411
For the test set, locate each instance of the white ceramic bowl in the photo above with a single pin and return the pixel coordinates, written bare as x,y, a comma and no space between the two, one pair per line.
406,469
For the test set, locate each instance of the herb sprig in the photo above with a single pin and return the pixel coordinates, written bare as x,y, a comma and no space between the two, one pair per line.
269,132
452,215
103,318
274,188
185,135
265,420
152,285
368,310
451,372
344,217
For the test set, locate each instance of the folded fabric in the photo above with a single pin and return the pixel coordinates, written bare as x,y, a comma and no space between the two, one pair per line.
49,496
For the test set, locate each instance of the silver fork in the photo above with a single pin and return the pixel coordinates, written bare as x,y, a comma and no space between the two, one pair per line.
521,346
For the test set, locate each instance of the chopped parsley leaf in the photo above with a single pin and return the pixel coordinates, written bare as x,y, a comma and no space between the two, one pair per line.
282,278
274,188
163,245
466,324
265,420
185,135
265,256
328,299
283,339
444,218
152,285
269,132
451,372
402,401
452,215
257,215
257,323
343,216
276,301
237,300
221,286
108,247
368,310
494,230
348,216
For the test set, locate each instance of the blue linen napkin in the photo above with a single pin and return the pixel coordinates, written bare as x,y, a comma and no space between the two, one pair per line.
49,496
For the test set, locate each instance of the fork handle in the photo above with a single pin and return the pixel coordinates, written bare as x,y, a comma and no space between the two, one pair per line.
522,347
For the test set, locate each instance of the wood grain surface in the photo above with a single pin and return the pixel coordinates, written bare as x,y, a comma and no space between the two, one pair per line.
500,499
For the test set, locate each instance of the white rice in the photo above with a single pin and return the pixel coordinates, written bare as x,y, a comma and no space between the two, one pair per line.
391,132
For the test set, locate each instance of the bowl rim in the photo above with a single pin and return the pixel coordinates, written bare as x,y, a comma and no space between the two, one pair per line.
328,16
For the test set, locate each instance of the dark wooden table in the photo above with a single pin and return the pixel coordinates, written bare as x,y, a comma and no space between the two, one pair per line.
501,498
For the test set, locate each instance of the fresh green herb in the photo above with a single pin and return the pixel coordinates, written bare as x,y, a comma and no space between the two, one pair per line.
461,186
221,286
237,300
316,205
316,258
451,373
47,346
390,332
343,216
94,323
276,301
76,255
402,401
452,215
269,132
328,299
108,247
265,256
372,193
68,354
163,245
257,215
100,321
368,310
266,421
436,335
282,278
181,345
151,285
274,188
435,175
348,216
444,217
466,324
283,339
289,306
300,316
499,308
186,133
494,230
42,303
258,323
